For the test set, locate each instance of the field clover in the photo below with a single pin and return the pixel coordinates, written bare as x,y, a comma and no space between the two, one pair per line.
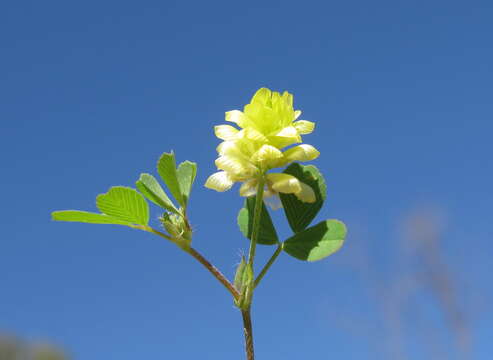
267,136
268,125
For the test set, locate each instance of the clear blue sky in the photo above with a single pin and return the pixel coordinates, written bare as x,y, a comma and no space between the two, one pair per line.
92,92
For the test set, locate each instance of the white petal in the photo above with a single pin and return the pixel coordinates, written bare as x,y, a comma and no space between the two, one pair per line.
284,183
226,132
267,155
297,114
288,131
306,194
219,181
248,188
274,202
302,152
237,117
236,167
304,127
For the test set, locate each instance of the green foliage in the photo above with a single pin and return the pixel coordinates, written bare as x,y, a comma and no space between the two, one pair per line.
316,242
267,233
150,188
298,213
186,173
120,205
86,217
166,167
125,204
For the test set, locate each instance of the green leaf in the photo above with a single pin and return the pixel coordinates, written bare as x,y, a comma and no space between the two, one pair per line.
298,213
317,241
186,173
267,234
124,204
166,167
150,188
86,217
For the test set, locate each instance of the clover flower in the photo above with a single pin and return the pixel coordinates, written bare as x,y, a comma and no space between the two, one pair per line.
267,125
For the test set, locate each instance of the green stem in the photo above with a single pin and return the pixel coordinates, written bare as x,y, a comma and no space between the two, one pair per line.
268,265
256,219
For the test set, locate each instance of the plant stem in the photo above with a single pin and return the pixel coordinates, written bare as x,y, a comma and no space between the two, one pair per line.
248,331
256,219
212,269
268,265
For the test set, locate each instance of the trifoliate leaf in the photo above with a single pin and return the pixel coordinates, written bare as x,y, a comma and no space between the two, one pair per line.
166,167
186,173
316,242
300,214
267,234
86,217
150,188
124,204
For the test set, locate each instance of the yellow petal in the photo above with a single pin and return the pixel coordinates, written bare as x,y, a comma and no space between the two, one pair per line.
236,167
236,116
268,156
297,114
261,96
226,132
248,188
306,194
302,152
252,134
304,127
284,183
285,137
219,181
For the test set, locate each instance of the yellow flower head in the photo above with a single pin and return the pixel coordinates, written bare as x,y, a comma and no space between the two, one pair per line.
267,125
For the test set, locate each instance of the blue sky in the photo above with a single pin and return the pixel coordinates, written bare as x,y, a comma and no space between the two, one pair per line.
93,92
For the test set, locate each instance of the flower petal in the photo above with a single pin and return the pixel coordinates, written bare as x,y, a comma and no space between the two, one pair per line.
237,117
236,167
249,188
268,156
284,183
252,134
297,114
304,127
306,194
261,96
226,132
274,202
302,152
219,181
285,137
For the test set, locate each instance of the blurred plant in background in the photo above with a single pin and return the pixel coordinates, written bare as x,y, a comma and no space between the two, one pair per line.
12,348
418,299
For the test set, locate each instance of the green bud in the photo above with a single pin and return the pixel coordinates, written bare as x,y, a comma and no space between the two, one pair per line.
178,228
244,283
239,274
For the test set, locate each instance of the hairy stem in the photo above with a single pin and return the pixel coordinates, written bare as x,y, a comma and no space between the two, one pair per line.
268,265
215,272
212,269
248,331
